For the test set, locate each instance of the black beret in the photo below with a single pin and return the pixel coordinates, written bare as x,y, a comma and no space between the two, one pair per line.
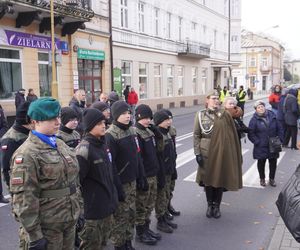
160,116
100,106
118,108
67,114
143,111
91,117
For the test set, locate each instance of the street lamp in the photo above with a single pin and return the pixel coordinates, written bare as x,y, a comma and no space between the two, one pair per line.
54,87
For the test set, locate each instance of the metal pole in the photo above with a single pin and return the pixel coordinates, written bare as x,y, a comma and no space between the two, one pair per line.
54,87
229,39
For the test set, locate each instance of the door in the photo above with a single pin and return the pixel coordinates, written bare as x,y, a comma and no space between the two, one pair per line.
264,82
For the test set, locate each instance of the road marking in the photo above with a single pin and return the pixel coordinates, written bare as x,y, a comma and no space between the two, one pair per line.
184,137
178,145
5,204
185,157
192,177
251,177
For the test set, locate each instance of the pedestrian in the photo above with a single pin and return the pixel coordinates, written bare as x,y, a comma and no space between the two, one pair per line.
31,96
262,126
3,129
249,93
214,131
167,158
126,92
20,97
241,98
100,197
280,114
145,199
44,181
123,145
291,115
132,100
103,97
274,98
223,94
67,130
77,103
104,108
112,97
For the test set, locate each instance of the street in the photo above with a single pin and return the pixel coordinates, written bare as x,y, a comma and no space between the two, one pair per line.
248,216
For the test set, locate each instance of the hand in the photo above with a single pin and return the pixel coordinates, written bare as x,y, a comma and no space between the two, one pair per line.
199,160
40,244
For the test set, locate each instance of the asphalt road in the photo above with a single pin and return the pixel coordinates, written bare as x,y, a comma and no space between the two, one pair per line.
248,216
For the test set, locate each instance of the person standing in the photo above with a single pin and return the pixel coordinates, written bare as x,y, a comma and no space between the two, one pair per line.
132,100
126,92
100,197
223,94
262,126
241,98
31,96
291,115
44,181
77,103
103,97
274,98
19,98
214,130
280,114
103,107
3,129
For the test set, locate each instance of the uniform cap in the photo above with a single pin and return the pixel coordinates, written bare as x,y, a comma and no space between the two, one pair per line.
67,114
91,117
118,108
44,109
160,116
143,111
102,106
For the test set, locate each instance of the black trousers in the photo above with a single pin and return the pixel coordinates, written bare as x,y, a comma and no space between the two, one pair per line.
213,194
261,168
242,106
291,131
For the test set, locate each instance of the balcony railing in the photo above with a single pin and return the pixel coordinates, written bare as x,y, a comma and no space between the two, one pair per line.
193,49
264,68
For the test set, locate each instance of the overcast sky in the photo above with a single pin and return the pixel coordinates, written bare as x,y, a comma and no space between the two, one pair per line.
261,15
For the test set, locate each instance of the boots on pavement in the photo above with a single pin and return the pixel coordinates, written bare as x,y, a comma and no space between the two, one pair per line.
143,236
163,226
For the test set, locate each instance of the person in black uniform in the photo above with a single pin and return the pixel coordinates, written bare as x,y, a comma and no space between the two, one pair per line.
105,110
97,180
3,129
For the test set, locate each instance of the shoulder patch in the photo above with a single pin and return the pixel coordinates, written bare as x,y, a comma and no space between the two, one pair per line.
18,177
19,159
4,147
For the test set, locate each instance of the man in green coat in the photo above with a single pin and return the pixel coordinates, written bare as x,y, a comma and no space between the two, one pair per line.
219,165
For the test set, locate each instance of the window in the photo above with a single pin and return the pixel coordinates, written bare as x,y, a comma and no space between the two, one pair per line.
141,17
168,25
10,72
126,73
234,38
194,80
225,7
194,26
204,80
204,30
252,81
143,79
235,7
45,74
170,80
264,62
180,75
124,14
157,80
156,20
225,74
180,28
252,62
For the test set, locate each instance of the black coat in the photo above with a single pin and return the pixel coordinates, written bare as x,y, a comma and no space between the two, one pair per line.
3,123
78,107
97,178
31,98
19,99
291,110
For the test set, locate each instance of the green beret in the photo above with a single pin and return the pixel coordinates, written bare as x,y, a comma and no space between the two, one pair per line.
44,109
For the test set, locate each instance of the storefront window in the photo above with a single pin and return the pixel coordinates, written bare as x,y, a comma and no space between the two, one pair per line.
170,80
180,76
126,73
157,80
204,80
45,74
10,73
143,79
194,80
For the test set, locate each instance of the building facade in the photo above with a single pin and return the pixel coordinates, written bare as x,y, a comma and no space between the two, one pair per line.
262,63
173,52
82,47
293,67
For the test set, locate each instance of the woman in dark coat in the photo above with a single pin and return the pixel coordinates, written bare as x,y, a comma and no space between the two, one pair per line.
263,125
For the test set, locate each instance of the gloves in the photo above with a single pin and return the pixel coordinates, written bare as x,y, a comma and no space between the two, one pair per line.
40,244
80,223
142,184
174,175
199,160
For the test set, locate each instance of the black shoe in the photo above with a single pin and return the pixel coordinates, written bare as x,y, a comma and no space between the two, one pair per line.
216,211
263,182
128,245
295,148
3,199
163,226
209,211
154,235
171,224
143,236
173,211
169,216
272,182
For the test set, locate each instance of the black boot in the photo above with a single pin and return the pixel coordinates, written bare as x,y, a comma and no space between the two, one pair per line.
209,211
209,192
3,199
128,245
154,235
216,210
218,194
143,236
171,224
172,210
163,226
168,215
123,247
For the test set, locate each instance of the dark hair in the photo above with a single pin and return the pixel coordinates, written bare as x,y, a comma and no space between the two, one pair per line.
29,90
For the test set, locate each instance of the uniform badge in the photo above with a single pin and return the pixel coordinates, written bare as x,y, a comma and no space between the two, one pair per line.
69,159
109,155
4,147
137,144
19,160
17,178
153,140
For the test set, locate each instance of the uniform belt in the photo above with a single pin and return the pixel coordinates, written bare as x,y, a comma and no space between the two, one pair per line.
58,193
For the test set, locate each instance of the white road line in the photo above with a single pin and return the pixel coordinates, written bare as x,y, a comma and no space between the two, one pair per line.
178,145
185,157
192,177
251,177
184,137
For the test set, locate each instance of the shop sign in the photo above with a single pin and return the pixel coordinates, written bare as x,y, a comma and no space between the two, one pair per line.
117,80
27,40
89,54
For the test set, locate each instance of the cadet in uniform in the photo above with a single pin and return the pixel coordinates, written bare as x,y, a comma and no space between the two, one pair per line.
97,181
67,132
145,200
219,166
44,182
123,144
104,108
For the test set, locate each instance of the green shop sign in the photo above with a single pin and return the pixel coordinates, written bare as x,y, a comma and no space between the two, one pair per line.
117,81
98,55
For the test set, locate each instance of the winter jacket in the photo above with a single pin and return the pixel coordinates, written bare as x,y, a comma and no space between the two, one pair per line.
280,114
97,178
19,99
69,136
132,98
261,128
78,107
31,98
290,108
274,100
3,123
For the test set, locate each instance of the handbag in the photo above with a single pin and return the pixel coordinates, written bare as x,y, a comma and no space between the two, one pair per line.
288,204
275,144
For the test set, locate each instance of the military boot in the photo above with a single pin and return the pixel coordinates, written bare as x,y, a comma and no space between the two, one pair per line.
169,216
171,224
123,247
172,210
143,236
209,211
154,235
163,226
216,210
128,245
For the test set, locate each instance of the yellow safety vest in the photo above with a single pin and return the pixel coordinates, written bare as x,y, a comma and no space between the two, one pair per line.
241,94
223,95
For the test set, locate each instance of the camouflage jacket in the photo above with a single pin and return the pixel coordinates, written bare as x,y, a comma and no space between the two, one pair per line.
70,137
44,184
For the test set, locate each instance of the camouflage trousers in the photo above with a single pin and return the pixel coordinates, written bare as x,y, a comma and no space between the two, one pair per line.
145,201
163,198
124,217
172,188
94,232
23,239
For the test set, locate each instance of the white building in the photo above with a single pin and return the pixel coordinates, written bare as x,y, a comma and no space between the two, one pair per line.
173,52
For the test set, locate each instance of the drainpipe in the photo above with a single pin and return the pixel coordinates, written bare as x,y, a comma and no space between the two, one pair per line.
111,46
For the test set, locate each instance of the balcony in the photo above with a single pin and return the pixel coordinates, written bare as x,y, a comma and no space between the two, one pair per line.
265,68
70,14
193,49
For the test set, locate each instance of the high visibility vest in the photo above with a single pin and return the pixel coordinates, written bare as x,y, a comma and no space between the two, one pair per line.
223,95
242,96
